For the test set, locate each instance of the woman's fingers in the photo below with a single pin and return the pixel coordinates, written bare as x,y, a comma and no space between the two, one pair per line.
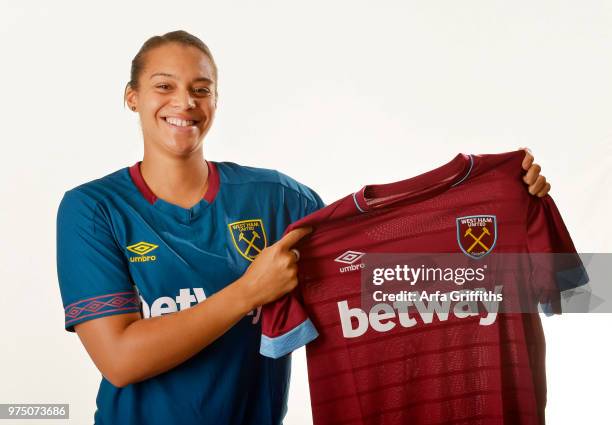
296,253
544,191
532,174
538,185
293,237
528,160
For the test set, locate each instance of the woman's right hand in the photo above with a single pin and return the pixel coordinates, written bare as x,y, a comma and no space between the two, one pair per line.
273,273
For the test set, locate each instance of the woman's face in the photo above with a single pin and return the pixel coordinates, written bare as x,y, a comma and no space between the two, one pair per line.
176,98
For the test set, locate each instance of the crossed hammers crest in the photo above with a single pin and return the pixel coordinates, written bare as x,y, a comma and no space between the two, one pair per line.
477,240
250,243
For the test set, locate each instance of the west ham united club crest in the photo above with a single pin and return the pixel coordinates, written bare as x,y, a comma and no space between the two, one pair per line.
249,237
476,234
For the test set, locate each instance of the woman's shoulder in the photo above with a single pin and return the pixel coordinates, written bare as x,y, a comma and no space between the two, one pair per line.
99,189
232,173
239,173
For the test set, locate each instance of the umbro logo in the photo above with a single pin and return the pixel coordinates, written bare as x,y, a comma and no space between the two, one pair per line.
350,257
142,249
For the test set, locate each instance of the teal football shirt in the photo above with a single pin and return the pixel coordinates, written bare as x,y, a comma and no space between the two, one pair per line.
121,249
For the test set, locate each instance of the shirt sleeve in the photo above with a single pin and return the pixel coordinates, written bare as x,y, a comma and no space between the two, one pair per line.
285,323
556,265
92,271
285,326
316,204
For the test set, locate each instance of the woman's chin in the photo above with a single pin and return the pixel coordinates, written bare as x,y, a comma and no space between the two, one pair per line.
182,147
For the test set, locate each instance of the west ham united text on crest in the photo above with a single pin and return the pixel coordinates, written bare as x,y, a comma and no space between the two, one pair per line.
249,237
477,234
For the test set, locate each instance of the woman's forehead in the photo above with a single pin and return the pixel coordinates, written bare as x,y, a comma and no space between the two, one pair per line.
177,61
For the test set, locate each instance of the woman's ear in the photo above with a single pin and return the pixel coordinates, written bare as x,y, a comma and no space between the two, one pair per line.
131,97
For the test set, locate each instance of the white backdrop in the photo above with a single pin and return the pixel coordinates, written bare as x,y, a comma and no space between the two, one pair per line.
335,94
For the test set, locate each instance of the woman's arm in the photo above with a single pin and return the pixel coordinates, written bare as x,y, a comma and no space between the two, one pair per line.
127,349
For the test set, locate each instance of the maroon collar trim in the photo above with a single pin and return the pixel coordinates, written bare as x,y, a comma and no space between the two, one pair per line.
145,190
213,182
415,188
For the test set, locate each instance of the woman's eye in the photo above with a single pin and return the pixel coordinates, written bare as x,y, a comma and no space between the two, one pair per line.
162,86
202,90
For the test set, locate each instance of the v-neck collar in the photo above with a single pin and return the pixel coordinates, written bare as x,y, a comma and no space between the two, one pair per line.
183,214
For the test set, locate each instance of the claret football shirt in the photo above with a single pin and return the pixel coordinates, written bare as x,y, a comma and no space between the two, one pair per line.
367,368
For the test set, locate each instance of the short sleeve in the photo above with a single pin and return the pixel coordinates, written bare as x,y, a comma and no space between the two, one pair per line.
559,267
300,204
92,272
285,323
285,326
315,204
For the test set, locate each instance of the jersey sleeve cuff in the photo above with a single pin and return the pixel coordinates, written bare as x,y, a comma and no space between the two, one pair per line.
547,309
286,343
100,306
572,278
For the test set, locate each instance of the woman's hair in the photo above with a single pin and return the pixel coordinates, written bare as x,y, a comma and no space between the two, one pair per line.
181,37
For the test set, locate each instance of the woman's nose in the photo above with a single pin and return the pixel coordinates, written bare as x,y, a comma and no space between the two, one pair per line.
184,99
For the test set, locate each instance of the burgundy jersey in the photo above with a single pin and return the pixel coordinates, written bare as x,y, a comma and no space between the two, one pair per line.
419,370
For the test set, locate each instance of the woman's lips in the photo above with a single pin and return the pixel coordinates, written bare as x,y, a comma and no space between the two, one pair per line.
177,124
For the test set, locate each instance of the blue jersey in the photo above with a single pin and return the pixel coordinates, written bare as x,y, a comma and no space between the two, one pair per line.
121,249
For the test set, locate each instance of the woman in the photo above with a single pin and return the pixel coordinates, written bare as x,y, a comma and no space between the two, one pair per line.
175,233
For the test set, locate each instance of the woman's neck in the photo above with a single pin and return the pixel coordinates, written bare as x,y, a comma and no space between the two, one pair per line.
178,180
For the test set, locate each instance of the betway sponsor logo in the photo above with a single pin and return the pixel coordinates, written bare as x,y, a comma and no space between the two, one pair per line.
383,317
184,300
350,257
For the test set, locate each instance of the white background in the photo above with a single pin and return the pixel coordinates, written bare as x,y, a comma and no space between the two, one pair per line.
335,94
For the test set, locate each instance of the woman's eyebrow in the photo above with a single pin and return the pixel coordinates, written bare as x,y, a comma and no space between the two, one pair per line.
165,74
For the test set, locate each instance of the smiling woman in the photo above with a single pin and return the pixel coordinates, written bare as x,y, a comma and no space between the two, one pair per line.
176,256
183,243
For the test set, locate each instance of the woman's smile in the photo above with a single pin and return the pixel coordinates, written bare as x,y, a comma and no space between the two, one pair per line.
181,125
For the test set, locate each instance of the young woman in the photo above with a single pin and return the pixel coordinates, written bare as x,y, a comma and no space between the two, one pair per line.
175,233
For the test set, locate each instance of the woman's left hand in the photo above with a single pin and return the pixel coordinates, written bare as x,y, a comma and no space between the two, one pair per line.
537,183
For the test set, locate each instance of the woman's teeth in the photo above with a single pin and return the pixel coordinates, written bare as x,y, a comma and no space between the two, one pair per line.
179,122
